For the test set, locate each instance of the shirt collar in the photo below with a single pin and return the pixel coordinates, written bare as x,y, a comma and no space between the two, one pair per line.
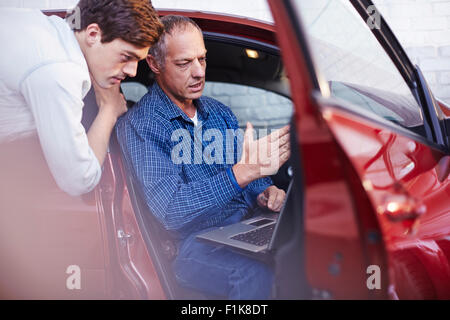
171,111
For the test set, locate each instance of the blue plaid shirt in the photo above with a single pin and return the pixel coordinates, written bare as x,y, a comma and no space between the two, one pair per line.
200,191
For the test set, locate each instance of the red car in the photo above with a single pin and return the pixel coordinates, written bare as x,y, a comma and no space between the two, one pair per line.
369,214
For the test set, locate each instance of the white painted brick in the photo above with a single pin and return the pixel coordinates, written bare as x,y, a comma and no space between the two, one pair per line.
207,90
271,113
441,8
441,37
224,99
390,2
226,89
411,10
273,99
43,4
248,101
442,92
255,91
241,114
444,78
11,3
444,51
429,23
412,39
63,4
438,64
431,78
422,52
402,24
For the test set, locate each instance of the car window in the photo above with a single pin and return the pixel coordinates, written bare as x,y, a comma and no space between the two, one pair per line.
133,91
355,65
264,109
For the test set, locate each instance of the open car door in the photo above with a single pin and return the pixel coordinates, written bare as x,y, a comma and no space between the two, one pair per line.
371,147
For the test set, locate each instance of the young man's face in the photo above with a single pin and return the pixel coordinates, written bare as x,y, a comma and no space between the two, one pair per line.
183,76
110,63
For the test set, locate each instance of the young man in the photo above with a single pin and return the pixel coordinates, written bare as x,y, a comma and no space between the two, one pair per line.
46,69
191,196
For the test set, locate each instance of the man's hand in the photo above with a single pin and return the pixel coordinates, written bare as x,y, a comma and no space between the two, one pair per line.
272,198
111,105
263,157
110,100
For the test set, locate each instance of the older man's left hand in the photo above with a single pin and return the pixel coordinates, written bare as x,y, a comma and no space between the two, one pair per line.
272,198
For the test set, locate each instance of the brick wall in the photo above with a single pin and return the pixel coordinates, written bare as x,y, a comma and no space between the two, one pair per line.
423,27
264,110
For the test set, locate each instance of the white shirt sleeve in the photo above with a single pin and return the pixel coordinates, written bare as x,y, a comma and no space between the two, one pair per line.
54,94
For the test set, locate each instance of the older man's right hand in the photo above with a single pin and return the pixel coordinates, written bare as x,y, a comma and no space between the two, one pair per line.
263,157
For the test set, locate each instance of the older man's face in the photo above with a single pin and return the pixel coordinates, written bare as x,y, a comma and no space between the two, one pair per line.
183,76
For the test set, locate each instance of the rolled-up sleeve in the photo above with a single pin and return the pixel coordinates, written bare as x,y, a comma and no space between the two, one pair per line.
54,93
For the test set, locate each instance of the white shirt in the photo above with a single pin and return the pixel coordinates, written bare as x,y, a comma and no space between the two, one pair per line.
194,118
43,80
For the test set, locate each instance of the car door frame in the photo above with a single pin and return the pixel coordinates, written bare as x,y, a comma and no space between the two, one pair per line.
294,46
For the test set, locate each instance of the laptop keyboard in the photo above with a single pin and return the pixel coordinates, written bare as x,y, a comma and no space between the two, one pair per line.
259,237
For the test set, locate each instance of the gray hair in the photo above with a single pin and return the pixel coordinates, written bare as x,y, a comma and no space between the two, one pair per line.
171,23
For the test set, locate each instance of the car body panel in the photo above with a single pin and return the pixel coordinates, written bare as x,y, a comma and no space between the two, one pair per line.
229,24
135,276
397,170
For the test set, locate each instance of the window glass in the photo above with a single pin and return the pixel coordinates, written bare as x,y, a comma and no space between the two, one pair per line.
133,91
262,108
355,65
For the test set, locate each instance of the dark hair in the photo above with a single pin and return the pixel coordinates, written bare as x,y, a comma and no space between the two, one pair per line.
171,23
134,21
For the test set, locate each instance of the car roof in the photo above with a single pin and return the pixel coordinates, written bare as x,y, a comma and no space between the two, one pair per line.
217,22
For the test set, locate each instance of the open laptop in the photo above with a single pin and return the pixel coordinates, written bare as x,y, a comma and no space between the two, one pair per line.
255,235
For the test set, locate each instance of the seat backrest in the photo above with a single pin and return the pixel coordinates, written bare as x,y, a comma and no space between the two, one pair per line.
161,244
163,238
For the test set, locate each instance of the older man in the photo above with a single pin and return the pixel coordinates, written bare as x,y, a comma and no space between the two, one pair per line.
197,193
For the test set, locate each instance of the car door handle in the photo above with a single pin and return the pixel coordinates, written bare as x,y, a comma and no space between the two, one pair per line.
122,235
401,207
